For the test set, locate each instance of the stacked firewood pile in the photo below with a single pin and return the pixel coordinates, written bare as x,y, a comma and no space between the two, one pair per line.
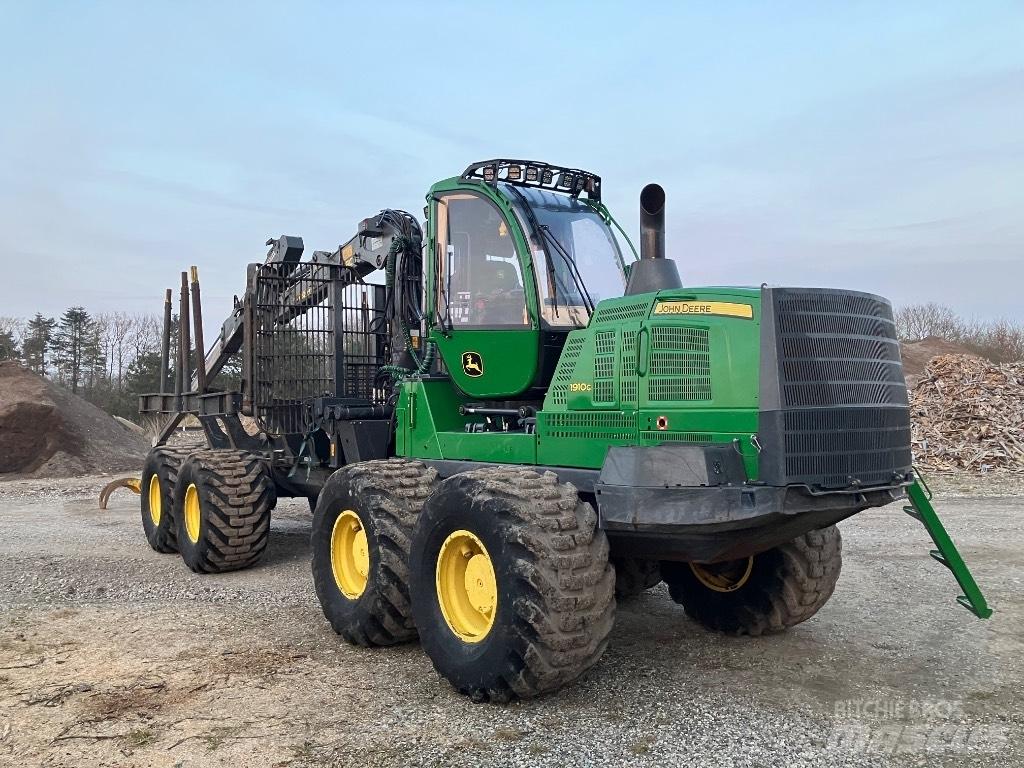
968,414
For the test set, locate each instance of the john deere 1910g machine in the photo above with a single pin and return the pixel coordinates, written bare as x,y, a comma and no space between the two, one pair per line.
516,425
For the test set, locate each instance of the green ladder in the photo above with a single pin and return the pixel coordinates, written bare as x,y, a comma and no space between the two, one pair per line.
921,509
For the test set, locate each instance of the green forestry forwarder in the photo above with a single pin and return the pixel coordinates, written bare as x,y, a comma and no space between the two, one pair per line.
518,426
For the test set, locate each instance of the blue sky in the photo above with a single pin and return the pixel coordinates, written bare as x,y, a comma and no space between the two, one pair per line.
870,146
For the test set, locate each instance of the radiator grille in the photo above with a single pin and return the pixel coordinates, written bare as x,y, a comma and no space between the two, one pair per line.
840,414
680,364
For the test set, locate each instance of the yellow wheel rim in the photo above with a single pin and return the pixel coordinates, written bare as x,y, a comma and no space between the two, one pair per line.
350,554
192,517
467,589
724,577
155,500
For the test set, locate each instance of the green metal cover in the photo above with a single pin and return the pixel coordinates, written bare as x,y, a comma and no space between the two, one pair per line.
634,376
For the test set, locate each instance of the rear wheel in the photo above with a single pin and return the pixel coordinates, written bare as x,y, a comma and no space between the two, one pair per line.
634,576
512,591
766,593
159,477
362,527
222,506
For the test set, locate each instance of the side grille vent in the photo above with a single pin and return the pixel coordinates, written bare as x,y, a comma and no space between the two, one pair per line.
629,311
608,425
627,370
668,436
680,364
566,366
604,367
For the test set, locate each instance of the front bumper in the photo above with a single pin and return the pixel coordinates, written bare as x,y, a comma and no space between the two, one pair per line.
691,502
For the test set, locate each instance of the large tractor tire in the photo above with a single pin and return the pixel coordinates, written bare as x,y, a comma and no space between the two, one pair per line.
634,576
763,594
159,478
512,591
362,528
222,506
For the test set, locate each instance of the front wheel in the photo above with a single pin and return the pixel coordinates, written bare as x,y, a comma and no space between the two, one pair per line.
364,519
766,593
512,591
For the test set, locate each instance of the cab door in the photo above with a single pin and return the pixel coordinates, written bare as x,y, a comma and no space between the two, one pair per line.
484,302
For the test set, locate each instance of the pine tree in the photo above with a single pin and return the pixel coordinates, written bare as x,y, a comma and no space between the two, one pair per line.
38,336
74,346
8,346
143,375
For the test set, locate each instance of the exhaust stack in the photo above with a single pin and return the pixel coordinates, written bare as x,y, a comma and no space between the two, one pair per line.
654,272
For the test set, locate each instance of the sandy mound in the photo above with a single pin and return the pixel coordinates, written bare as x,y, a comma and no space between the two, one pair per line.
48,432
916,355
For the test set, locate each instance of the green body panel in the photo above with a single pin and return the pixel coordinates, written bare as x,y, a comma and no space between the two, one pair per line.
508,358
632,377
428,425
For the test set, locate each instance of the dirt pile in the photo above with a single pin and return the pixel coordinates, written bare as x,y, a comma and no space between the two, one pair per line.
968,414
46,431
916,355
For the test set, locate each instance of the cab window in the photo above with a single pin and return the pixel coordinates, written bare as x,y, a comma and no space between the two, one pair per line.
480,280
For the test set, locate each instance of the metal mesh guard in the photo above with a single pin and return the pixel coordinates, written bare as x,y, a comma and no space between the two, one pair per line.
316,334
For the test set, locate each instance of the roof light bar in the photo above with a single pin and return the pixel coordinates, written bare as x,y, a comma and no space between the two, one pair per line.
529,173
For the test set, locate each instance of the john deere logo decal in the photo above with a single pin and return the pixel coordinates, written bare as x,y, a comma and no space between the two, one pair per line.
472,364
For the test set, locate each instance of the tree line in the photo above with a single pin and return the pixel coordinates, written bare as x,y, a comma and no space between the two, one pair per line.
1001,341
110,358
106,358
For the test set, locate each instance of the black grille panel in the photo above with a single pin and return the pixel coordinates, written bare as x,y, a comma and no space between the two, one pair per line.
844,393
798,346
834,401
816,322
827,302
836,444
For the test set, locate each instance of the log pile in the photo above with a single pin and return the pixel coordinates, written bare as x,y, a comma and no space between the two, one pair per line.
968,415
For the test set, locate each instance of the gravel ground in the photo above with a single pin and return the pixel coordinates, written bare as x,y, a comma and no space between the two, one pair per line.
111,654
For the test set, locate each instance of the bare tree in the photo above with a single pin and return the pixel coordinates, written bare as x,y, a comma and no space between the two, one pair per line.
919,321
999,340
117,328
144,335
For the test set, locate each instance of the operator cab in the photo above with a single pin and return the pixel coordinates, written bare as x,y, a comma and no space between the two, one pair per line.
518,261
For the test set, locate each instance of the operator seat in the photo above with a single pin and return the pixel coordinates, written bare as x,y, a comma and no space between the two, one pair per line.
495,293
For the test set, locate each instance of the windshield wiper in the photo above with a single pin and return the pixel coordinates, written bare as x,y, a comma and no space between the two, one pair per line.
548,264
574,272
577,278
